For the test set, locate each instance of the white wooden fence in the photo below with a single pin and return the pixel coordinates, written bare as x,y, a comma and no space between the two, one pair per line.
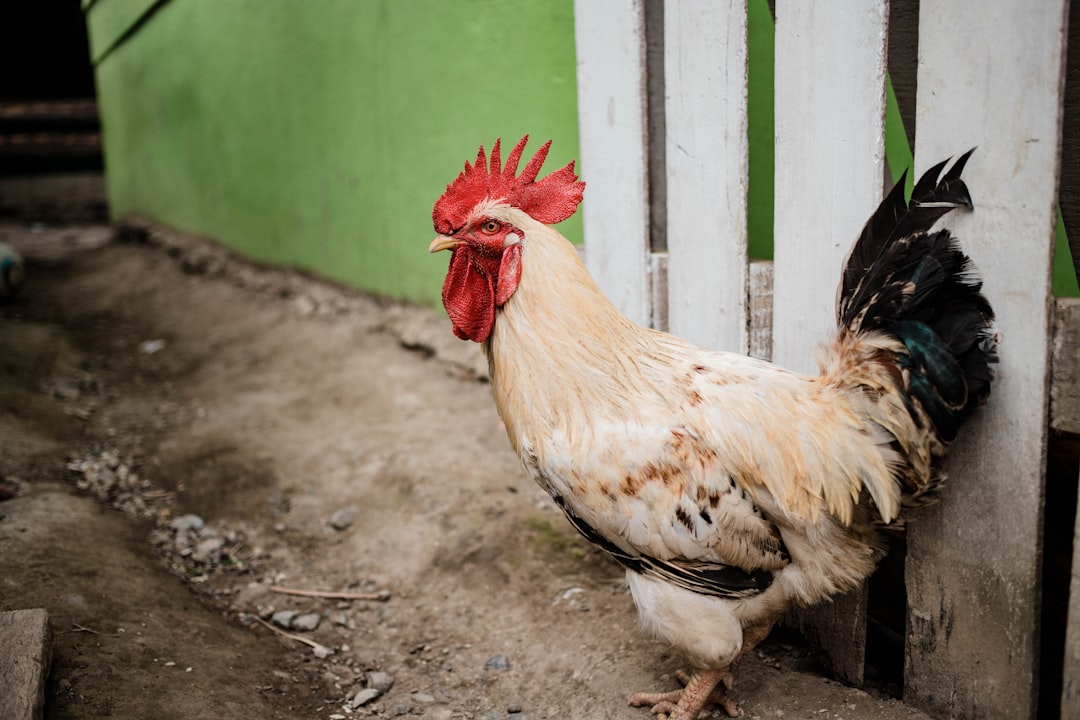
990,75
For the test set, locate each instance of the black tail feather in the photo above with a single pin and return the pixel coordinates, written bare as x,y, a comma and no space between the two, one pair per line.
921,288
896,219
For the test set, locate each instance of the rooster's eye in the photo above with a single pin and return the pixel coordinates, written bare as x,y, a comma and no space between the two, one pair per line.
490,227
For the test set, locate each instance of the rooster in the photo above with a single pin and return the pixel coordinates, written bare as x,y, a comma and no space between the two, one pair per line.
731,489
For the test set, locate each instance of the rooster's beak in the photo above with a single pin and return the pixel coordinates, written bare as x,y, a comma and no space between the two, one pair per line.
443,242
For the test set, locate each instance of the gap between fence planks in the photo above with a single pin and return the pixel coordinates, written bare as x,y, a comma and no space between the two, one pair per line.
1070,692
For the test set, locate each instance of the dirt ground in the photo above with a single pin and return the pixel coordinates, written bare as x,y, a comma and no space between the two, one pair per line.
182,430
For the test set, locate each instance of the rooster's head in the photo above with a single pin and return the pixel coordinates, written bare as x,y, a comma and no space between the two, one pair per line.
485,266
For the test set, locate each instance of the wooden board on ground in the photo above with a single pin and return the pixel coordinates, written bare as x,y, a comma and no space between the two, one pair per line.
25,653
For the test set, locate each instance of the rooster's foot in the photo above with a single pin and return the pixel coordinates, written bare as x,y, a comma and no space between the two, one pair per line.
703,688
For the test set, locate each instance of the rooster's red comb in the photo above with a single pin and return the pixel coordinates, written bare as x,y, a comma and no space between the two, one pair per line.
550,200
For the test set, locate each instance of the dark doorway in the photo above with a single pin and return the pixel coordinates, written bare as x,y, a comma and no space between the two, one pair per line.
48,114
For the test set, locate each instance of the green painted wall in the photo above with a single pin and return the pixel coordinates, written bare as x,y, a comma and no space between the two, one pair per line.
319,134
760,60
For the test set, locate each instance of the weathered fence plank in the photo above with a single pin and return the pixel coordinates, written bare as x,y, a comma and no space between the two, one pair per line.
830,161
992,80
707,164
610,44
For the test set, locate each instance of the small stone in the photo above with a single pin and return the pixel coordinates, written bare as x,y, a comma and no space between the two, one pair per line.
321,651
363,697
343,518
423,698
379,680
497,662
305,623
160,537
208,550
187,522
149,347
67,390
513,709
283,618
305,305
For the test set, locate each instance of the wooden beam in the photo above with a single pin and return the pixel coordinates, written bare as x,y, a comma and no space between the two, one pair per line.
759,319
25,654
50,144
64,112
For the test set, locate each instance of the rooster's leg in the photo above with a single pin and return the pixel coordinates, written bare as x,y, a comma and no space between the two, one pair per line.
703,688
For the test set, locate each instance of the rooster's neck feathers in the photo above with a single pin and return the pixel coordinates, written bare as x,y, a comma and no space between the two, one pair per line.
552,339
